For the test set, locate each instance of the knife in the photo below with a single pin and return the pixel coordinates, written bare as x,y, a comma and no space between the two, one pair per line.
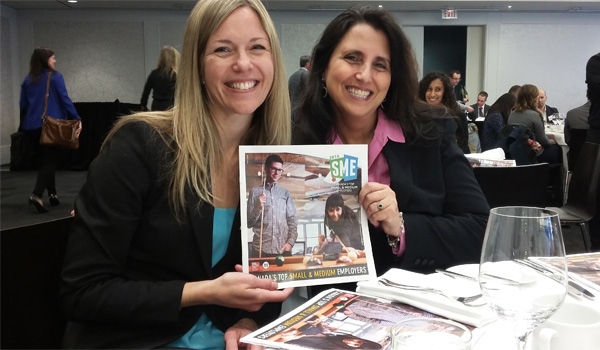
582,290
456,274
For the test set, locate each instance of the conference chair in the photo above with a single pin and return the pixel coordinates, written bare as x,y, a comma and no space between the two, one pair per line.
582,195
525,185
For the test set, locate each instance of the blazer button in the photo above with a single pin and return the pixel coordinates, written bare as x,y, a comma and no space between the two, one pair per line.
417,261
424,262
431,262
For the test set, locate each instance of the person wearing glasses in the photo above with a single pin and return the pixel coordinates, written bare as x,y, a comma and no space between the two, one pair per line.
272,214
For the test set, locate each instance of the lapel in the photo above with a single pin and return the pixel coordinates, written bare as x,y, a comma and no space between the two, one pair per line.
397,155
202,228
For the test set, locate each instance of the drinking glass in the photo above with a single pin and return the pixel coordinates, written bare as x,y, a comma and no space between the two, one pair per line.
523,270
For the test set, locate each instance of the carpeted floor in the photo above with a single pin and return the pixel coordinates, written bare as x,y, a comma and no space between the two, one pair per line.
16,188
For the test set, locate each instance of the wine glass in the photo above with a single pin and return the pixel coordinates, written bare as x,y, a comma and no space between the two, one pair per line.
523,270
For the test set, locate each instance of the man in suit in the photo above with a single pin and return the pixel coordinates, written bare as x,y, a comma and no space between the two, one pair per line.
480,109
546,110
459,91
298,80
577,118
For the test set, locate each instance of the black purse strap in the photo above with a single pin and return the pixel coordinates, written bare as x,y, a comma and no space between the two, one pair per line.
46,97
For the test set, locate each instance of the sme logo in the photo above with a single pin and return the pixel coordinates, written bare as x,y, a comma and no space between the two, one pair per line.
345,167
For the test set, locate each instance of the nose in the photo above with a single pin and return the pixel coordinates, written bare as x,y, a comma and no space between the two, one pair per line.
242,62
364,72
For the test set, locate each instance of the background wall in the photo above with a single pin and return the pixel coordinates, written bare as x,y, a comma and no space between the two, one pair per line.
107,55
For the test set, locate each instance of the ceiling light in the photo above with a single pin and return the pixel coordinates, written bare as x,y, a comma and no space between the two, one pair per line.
380,6
509,6
72,1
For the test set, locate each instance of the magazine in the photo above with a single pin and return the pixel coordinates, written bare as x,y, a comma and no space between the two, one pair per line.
336,319
585,269
301,221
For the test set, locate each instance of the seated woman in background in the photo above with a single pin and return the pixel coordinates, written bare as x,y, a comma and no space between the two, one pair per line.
154,253
527,113
343,221
436,90
424,206
162,81
496,120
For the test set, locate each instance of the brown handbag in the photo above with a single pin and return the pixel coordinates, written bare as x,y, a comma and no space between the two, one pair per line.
60,133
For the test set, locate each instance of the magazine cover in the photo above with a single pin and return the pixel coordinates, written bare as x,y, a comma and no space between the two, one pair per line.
336,319
301,221
585,268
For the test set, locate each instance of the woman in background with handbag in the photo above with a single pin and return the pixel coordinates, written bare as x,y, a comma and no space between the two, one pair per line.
40,97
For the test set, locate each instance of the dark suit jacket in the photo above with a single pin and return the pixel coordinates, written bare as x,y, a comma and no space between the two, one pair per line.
445,211
475,114
550,111
128,258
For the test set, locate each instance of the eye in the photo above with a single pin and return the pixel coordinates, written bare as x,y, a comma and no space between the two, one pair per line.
258,47
351,58
382,66
222,50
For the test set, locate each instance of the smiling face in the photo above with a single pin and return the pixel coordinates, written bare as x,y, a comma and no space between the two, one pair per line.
238,64
435,92
358,74
275,171
334,213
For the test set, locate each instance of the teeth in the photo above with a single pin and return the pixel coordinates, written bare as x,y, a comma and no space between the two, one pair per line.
359,93
243,86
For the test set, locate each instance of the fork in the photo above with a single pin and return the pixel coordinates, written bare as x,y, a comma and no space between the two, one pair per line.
467,301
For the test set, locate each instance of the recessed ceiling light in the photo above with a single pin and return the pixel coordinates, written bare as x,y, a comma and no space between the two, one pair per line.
72,1
509,6
380,6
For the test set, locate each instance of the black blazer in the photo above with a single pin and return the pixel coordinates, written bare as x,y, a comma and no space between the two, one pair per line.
128,258
475,114
445,211
550,111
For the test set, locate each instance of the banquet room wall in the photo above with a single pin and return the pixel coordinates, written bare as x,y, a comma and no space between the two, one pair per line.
107,55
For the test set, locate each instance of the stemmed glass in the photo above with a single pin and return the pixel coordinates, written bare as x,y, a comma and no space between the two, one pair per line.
523,270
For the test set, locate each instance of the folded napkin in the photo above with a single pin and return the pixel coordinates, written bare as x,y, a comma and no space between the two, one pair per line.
433,302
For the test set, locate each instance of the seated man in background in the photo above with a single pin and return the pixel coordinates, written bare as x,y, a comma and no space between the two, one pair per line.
481,108
546,110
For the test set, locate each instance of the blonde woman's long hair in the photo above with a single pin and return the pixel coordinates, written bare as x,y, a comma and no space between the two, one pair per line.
168,61
190,129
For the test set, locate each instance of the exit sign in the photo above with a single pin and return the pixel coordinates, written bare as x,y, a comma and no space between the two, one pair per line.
449,14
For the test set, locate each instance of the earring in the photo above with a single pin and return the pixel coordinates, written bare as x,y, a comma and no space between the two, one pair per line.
325,88
381,105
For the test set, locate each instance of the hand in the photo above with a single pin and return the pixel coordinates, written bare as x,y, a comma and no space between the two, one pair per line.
388,218
78,130
241,291
286,248
470,109
234,333
262,200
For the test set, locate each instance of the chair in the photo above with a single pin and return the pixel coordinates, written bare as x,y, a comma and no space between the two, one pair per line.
582,196
577,140
518,185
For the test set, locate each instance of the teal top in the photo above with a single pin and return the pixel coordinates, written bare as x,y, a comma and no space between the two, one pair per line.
204,335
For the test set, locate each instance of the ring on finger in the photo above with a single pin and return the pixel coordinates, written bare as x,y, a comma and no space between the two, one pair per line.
379,205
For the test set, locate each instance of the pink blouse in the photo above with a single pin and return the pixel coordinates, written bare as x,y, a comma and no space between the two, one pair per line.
379,170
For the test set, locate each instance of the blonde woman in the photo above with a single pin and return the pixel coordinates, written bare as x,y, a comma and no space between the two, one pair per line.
162,81
154,254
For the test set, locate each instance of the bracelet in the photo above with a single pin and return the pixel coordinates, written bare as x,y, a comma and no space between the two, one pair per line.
395,242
